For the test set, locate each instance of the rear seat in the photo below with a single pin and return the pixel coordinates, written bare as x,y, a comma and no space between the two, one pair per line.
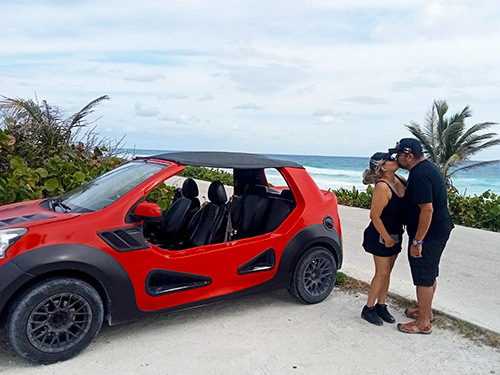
257,211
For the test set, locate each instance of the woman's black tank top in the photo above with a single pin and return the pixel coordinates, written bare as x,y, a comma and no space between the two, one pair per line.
393,214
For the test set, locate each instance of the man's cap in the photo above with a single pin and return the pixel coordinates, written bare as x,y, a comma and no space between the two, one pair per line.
377,157
407,146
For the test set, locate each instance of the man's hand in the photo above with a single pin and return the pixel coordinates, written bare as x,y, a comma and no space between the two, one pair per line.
416,251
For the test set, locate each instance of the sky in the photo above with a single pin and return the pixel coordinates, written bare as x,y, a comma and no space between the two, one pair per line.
313,77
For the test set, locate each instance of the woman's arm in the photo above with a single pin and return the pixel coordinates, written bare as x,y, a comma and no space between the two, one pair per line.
381,196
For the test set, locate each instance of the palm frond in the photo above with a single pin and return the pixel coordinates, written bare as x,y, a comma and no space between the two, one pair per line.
447,142
475,165
85,111
473,144
425,140
441,108
476,128
21,107
460,117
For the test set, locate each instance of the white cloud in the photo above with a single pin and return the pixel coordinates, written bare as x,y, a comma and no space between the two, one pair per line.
251,106
142,111
354,66
365,100
180,119
205,97
144,77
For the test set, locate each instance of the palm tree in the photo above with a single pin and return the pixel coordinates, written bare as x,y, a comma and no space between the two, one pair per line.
446,141
41,130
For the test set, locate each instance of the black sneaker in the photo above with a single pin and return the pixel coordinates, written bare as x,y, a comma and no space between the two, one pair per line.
384,313
370,315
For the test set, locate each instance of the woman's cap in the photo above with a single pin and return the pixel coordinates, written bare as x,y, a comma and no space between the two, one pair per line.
377,157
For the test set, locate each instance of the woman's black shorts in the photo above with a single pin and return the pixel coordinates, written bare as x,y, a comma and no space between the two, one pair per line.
372,244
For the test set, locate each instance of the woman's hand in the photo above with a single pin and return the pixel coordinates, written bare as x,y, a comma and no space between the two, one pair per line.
389,242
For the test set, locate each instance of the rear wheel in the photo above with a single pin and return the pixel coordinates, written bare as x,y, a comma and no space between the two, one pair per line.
314,276
54,320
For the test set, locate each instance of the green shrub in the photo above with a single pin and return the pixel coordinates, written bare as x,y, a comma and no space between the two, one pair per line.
162,195
44,154
341,278
354,197
208,174
52,177
479,211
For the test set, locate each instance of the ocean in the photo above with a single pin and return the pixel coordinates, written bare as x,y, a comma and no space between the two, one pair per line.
333,172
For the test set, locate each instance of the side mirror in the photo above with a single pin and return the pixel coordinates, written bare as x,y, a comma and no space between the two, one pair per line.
148,211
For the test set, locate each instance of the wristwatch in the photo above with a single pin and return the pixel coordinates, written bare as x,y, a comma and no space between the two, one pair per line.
417,243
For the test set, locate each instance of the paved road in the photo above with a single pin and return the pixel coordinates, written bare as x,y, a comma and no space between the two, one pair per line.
269,334
469,281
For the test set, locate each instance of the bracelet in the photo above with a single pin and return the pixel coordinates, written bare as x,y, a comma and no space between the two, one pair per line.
417,243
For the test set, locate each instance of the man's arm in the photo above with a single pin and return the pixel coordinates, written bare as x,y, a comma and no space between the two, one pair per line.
424,222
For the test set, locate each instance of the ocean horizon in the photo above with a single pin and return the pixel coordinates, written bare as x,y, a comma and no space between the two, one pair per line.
334,172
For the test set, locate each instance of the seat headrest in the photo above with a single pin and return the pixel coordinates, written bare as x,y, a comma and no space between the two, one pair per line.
287,194
257,190
217,193
189,188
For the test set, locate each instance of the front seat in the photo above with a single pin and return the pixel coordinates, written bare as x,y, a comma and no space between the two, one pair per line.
176,219
209,223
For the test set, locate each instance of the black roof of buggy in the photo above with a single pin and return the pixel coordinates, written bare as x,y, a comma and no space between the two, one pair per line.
216,159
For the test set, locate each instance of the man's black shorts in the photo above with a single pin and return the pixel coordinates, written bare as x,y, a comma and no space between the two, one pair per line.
425,270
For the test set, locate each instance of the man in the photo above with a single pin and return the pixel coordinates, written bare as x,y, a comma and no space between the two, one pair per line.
428,224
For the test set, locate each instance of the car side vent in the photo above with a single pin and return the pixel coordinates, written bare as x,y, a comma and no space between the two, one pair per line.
160,282
263,262
13,207
125,239
23,219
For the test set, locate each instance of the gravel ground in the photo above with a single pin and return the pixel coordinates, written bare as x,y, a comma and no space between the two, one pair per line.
269,334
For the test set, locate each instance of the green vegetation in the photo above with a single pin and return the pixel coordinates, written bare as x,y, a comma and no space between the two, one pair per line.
354,197
341,278
446,141
481,211
45,154
208,174
162,195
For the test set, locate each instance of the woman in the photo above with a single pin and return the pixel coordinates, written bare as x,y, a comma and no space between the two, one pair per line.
382,238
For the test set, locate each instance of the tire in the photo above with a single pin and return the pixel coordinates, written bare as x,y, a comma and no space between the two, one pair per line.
54,320
314,276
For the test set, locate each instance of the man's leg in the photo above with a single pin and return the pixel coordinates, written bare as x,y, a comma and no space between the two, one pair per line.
424,298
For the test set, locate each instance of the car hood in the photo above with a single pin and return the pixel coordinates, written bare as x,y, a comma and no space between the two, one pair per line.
29,214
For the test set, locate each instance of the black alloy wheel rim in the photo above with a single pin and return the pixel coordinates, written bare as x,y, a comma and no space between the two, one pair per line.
59,322
318,276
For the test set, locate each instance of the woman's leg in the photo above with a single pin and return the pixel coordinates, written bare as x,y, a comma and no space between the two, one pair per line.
379,281
382,296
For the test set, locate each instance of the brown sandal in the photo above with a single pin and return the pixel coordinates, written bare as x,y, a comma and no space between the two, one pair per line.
413,314
415,327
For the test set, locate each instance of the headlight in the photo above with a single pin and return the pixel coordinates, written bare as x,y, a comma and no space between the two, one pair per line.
8,237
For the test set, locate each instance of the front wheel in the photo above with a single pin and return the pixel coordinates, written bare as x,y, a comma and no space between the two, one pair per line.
54,320
314,276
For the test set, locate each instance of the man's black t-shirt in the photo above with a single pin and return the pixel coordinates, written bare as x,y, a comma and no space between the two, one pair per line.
426,185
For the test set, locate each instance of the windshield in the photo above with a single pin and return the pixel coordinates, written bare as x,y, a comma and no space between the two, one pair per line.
106,189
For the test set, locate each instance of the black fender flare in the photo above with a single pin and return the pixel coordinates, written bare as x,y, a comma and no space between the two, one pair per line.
94,265
312,235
